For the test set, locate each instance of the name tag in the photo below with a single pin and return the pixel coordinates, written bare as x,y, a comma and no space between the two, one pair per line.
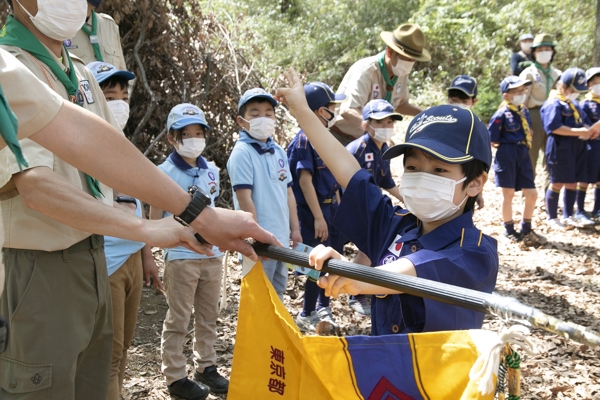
87,91
94,39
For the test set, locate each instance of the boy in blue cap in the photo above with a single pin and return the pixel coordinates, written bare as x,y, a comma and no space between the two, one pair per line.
591,106
316,193
192,280
463,91
447,155
378,124
567,127
510,132
115,86
261,179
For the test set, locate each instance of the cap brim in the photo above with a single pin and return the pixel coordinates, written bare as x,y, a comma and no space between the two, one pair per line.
125,74
338,98
182,123
381,115
388,38
259,96
461,89
438,150
517,85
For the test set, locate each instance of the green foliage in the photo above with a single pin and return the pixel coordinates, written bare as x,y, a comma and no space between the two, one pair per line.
475,37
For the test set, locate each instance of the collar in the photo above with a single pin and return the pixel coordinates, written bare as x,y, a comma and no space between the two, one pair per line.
443,235
182,165
260,147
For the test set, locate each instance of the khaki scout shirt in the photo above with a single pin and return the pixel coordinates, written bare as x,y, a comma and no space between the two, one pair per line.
109,39
364,82
28,229
537,93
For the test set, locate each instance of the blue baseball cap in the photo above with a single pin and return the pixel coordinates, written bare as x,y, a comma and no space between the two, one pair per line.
379,109
253,94
103,70
526,36
95,3
466,84
451,134
512,82
592,72
185,114
575,77
318,95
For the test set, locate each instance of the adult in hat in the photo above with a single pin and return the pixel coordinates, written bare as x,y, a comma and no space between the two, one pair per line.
382,76
543,75
522,58
98,39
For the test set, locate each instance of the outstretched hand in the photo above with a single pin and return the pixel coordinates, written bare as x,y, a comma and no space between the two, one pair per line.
292,95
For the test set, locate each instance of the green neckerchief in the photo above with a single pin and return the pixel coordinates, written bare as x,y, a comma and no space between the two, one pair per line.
94,36
547,74
8,129
389,82
13,33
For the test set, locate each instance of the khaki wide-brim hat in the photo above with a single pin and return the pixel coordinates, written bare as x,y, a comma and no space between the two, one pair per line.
408,40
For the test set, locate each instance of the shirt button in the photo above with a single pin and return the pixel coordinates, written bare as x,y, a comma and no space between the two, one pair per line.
12,384
395,328
414,248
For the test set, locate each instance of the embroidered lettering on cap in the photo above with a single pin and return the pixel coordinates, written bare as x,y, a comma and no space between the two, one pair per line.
462,80
105,68
189,111
425,120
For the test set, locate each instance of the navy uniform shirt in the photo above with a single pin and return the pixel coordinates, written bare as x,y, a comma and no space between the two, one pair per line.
456,253
368,156
556,113
302,156
592,109
505,126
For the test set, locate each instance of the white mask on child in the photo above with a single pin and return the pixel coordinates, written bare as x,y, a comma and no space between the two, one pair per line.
59,19
191,147
383,134
526,47
331,121
573,96
402,67
543,57
595,89
429,197
519,99
120,110
261,128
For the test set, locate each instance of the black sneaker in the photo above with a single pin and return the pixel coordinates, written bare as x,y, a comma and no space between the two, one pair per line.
514,237
188,389
211,378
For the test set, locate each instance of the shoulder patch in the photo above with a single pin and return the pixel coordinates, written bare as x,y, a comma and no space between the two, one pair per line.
471,237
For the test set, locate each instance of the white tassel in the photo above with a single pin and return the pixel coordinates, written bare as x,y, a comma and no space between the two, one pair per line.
488,362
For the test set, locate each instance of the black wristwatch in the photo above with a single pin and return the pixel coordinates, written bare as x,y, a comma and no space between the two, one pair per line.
199,201
125,199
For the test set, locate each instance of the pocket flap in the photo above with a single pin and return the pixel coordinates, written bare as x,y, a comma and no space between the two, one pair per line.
18,377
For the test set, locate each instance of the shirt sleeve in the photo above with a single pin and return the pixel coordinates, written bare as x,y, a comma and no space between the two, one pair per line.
585,116
240,168
303,156
357,87
551,116
495,126
386,182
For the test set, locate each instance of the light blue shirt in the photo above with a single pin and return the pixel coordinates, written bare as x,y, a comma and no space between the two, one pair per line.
118,250
263,168
206,177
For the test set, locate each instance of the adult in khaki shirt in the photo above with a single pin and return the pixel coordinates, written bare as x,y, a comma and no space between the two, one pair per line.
98,40
543,75
53,353
383,76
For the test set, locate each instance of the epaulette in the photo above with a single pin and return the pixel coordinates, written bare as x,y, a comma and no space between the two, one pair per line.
471,237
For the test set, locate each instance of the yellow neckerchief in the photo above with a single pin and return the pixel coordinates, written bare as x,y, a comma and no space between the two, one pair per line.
592,97
521,113
554,94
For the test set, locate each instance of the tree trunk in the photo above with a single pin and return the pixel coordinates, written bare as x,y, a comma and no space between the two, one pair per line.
597,36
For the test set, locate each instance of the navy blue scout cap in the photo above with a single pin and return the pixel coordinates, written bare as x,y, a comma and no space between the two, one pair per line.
320,95
103,70
379,109
592,72
512,82
185,114
466,84
253,94
451,134
575,77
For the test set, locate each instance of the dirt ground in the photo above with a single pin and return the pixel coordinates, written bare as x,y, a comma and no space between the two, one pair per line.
562,279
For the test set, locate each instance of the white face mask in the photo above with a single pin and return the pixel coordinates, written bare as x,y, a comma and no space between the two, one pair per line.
543,57
573,96
595,89
382,134
517,100
191,147
402,67
461,105
331,121
526,47
261,128
429,197
59,19
120,110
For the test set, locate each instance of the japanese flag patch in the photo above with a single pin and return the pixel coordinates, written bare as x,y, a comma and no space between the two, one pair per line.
396,248
376,91
369,157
